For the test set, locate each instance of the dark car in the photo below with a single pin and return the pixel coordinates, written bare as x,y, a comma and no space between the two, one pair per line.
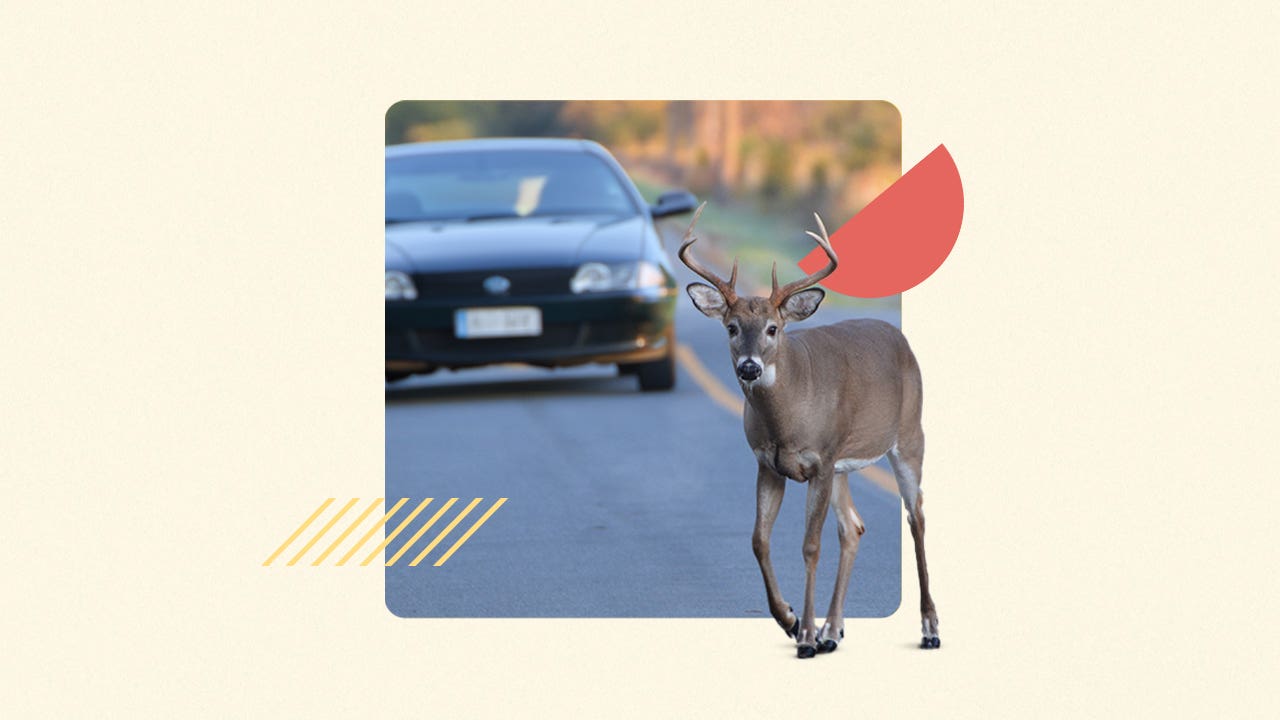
537,251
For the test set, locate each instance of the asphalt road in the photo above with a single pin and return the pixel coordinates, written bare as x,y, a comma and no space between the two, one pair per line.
621,504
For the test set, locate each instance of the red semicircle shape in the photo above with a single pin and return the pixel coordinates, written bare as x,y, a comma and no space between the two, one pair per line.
902,236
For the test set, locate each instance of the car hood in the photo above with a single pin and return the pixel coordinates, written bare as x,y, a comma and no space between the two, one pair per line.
434,247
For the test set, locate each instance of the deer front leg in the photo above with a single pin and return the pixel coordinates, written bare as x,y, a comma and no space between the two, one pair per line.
815,512
769,489
850,529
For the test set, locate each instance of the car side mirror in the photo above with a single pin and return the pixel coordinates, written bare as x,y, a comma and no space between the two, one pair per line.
673,202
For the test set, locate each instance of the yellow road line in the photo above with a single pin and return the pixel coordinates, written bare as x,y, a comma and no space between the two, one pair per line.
298,532
727,400
372,530
387,540
346,532
467,535
445,532
701,375
422,530
323,530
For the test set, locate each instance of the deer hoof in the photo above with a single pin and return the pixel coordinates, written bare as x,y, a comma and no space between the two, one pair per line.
827,646
804,652
927,643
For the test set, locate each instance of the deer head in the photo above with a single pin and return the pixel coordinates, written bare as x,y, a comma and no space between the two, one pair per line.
755,324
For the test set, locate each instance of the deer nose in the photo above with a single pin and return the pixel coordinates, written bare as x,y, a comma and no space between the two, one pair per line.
749,370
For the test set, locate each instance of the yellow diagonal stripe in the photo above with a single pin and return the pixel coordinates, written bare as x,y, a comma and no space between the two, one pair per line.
323,530
420,532
466,535
405,523
372,530
298,532
446,531
346,532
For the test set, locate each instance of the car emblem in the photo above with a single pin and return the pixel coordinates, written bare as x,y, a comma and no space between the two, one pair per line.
497,285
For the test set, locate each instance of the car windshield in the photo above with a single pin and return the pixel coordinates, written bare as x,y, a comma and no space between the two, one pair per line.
490,184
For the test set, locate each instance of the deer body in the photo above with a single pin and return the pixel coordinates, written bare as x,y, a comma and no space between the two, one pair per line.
820,403
794,421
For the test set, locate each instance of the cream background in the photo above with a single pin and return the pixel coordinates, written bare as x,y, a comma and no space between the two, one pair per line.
190,201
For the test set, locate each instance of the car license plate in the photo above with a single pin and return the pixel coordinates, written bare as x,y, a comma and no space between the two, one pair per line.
497,322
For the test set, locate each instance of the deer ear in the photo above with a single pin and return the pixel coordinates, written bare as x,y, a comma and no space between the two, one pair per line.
802,304
708,300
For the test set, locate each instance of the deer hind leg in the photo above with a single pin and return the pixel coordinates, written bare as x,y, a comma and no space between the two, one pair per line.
849,528
769,489
906,460
815,513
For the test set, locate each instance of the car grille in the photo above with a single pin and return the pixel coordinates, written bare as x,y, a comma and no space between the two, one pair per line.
439,346
444,346
560,335
525,282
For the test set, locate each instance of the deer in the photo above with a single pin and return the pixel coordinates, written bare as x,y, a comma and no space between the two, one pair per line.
820,402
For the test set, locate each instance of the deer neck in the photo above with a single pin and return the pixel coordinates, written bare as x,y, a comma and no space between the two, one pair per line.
775,401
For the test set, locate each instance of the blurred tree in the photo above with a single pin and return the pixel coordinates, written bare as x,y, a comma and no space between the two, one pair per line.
450,129
699,177
730,148
870,133
706,138
407,113
412,120
623,125
678,145
819,183
748,147
777,171
520,118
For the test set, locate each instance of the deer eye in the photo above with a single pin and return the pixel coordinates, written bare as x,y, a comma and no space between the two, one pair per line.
733,330
772,330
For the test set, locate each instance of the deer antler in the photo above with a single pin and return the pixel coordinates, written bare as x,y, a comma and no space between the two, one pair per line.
725,288
780,294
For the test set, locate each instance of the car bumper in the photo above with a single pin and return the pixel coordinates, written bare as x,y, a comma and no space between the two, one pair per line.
621,327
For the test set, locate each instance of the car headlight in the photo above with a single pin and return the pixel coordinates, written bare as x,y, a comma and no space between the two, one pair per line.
602,277
400,287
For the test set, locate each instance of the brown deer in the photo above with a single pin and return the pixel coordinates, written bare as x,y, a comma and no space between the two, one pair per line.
820,403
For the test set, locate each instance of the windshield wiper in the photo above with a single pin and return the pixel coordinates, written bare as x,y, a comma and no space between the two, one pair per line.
397,221
492,216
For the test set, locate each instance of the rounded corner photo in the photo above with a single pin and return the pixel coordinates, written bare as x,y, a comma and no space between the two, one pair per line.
541,348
